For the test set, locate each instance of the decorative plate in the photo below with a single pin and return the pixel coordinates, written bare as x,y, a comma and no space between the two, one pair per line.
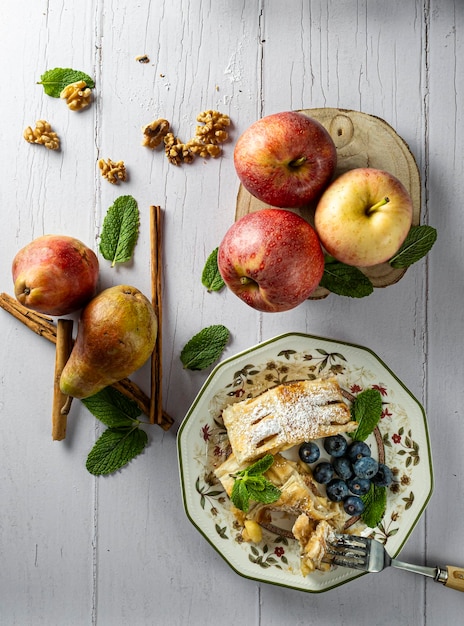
402,436
361,140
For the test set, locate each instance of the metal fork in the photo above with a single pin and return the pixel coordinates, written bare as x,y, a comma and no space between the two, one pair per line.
369,555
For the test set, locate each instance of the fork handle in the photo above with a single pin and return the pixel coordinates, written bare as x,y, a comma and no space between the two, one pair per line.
454,578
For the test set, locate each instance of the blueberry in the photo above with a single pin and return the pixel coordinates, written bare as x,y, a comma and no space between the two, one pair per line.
357,450
323,472
365,467
309,452
353,505
359,486
335,445
384,476
337,490
342,466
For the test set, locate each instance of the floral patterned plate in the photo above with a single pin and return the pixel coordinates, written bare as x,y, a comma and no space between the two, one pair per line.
401,436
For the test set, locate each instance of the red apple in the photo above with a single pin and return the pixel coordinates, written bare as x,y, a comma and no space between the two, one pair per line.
271,259
363,217
55,274
285,159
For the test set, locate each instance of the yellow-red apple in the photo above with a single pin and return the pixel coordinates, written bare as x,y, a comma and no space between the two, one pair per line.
285,159
271,259
55,274
363,217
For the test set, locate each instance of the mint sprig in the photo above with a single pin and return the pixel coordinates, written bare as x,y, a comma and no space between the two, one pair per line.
251,484
417,244
211,277
204,348
345,280
120,230
55,80
123,440
367,411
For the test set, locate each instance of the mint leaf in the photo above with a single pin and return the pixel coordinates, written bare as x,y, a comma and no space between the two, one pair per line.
54,81
112,408
375,502
251,484
204,348
211,277
114,449
260,466
366,410
267,492
417,244
120,230
240,496
345,280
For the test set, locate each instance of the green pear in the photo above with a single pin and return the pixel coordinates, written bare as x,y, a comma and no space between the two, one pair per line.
116,335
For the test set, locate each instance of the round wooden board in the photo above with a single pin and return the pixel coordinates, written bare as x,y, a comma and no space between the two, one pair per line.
361,140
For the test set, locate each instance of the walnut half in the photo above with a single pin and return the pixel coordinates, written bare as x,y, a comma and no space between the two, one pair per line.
77,95
43,135
214,127
154,133
113,171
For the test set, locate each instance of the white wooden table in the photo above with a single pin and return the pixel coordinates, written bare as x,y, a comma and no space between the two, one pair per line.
79,550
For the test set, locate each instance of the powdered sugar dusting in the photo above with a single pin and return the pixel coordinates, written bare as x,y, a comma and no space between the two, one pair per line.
286,416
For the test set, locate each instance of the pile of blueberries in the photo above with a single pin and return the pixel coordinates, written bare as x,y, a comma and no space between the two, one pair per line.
350,472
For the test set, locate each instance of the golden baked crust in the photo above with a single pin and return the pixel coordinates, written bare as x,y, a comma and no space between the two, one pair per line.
316,516
285,416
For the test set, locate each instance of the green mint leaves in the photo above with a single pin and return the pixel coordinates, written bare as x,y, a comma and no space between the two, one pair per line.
123,440
345,280
375,502
366,410
120,230
54,81
204,348
251,484
211,277
417,244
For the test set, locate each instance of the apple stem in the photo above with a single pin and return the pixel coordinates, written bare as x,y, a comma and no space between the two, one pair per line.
297,162
377,205
245,280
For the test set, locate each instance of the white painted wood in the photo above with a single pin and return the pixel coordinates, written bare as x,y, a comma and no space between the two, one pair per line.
76,550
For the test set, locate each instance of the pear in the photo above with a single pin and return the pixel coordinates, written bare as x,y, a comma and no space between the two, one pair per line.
116,335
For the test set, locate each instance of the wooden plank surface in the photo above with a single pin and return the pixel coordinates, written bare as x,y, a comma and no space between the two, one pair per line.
79,550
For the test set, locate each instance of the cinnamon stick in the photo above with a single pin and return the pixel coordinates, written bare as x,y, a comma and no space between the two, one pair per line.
45,327
61,402
40,324
156,401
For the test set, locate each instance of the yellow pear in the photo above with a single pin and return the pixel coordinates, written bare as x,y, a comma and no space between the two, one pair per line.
116,335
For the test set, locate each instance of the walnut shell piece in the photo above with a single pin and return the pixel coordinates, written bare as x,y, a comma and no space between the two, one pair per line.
43,135
154,133
77,95
113,171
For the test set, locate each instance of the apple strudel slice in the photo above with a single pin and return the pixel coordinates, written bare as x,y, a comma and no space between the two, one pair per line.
314,515
285,416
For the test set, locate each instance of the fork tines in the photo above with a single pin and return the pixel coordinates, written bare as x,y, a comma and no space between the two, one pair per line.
349,551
